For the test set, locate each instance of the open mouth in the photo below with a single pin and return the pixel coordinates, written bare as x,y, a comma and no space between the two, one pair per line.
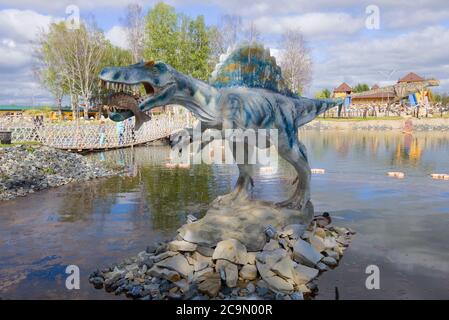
123,97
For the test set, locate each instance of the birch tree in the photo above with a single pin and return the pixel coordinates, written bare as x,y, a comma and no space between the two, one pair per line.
296,63
135,30
76,55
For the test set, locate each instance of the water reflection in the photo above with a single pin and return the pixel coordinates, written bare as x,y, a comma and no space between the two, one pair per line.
99,222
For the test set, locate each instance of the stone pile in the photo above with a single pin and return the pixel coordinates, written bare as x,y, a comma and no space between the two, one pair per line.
25,169
284,269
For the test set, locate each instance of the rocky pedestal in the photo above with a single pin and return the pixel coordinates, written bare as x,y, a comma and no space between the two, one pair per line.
249,250
244,221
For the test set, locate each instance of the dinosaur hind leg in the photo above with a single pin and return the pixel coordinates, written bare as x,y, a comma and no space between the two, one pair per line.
296,156
245,181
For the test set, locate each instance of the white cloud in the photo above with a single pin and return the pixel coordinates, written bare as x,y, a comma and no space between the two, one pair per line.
18,28
372,60
315,24
22,25
117,36
413,18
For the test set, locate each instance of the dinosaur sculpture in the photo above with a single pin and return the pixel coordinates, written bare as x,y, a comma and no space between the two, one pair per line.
246,91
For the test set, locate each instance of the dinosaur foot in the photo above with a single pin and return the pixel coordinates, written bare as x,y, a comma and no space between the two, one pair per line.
294,202
234,197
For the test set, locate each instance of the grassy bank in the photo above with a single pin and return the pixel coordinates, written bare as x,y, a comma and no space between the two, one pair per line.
28,143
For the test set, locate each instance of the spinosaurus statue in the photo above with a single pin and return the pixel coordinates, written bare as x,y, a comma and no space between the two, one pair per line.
246,90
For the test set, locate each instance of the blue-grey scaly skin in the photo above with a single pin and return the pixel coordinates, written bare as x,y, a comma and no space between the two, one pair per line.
230,107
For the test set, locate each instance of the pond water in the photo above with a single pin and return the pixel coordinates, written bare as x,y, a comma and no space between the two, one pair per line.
402,224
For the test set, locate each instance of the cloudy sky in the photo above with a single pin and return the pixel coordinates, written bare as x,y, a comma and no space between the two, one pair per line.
345,42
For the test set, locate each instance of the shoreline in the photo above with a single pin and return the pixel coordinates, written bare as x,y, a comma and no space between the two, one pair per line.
423,124
29,168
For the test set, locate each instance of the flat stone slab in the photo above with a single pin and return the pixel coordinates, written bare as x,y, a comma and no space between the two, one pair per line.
244,221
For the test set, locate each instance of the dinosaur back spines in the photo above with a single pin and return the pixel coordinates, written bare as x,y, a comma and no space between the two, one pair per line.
250,65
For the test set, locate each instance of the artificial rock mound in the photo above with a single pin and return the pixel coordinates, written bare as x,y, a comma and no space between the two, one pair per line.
283,266
244,221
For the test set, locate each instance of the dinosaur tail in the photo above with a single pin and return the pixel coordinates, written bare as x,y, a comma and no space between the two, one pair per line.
312,108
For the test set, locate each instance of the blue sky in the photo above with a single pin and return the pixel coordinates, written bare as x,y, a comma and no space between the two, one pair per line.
412,36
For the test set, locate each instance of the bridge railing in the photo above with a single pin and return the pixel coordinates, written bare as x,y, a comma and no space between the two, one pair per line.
95,135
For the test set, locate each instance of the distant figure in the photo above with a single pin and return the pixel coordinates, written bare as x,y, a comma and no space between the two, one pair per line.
120,132
102,132
408,126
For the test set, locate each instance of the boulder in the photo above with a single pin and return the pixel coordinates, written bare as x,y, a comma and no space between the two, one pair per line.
179,264
331,262
322,267
164,255
294,231
283,268
251,288
273,281
163,273
271,245
209,284
181,245
231,250
303,274
251,258
330,242
271,257
304,253
201,262
317,243
229,270
200,273
248,272
332,254
205,250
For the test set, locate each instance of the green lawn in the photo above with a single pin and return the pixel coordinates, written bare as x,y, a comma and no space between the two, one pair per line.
28,143
360,119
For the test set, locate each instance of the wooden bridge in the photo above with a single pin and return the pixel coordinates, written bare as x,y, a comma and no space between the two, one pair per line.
83,135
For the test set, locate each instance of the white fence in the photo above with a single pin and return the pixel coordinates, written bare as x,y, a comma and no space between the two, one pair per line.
81,135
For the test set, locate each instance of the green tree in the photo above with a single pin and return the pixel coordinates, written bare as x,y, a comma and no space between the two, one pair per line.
115,56
178,40
198,50
361,87
74,57
162,35
48,68
323,94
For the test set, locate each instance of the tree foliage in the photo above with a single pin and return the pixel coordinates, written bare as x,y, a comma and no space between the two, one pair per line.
296,63
68,61
361,87
135,30
323,94
178,40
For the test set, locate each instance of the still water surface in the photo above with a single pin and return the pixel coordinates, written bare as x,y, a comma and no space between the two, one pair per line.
402,224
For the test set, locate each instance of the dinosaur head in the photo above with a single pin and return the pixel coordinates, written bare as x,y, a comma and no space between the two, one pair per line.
136,88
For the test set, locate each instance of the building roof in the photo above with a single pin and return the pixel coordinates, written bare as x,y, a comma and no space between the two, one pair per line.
375,95
411,77
375,87
344,87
